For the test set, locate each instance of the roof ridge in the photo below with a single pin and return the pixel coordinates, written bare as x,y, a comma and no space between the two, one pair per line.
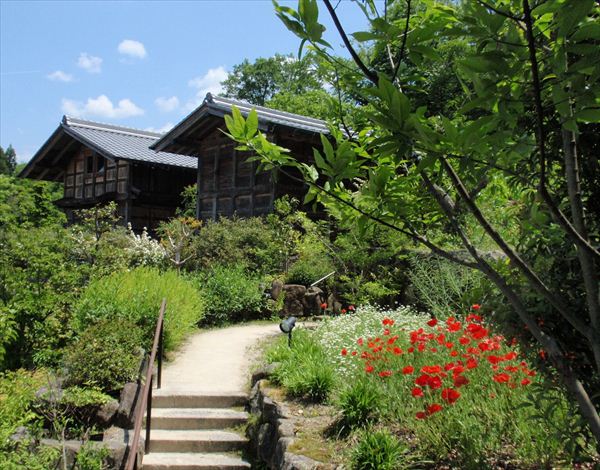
301,117
72,121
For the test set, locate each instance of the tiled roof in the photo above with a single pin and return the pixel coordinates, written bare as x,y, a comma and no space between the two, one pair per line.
274,116
123,143
218,106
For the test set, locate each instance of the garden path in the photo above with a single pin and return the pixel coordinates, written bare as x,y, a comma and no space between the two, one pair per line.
216,360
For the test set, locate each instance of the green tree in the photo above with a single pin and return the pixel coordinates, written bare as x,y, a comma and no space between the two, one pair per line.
532,78
260,81
8,160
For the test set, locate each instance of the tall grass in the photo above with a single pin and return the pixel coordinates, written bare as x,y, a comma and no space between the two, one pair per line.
136,296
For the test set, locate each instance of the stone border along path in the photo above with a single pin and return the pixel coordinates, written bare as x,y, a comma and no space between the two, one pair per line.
202,392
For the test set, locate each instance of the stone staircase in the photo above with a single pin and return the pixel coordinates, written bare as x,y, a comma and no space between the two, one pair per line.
192,431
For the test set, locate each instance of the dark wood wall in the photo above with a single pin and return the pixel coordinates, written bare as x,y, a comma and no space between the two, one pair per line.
229,184
227,181
145,194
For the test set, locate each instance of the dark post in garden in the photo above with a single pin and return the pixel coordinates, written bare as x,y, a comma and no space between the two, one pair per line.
287,326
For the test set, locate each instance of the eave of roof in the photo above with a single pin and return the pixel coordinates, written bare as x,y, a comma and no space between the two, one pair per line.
219,106
112,142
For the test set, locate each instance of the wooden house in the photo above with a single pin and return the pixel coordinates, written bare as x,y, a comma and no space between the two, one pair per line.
227,182
98,163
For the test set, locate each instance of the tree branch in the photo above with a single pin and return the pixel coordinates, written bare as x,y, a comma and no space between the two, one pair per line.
403,46
372,76
533,278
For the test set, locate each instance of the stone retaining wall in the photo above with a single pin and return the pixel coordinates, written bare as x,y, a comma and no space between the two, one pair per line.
273,431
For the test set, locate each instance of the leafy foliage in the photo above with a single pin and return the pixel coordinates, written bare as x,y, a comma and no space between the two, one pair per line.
136,296
231,294
105,355
360,403
376,450
304,371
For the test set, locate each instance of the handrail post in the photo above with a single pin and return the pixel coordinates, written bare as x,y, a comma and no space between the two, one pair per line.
146,395
148,416
160,356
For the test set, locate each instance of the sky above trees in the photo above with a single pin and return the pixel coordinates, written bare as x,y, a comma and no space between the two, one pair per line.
138,64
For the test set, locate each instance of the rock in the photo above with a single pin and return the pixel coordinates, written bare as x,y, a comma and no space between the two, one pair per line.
334,304
312,300
294,308
117,441
266,441
22,435
294,291
276,289
300,462
128,401
106,413
285,428
264,372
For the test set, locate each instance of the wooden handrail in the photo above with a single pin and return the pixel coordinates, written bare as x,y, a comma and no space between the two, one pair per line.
147,392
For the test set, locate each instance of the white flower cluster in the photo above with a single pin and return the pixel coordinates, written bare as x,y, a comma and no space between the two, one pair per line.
143,249
343,331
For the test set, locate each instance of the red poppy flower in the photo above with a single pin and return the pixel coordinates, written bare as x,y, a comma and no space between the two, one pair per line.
510,356
421,415
385,373
525,382
323,305
435,382
417,392
475,306
432,322
431,369
434,408
471,363
354,353
351,308
453,353
450,395
411,349
460,380
344,352
397,351
501,378
422,380
388,321
360,341
386,332
464,340
408,370
343,310
494,359
369,369
421,347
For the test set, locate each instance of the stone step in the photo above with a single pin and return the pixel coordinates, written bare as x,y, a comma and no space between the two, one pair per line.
182,399
197,418
188,461
196,441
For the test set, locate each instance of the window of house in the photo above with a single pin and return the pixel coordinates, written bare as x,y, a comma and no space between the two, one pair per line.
100,164
89,164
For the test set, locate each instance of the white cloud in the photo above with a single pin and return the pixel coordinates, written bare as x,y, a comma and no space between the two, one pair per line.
102,107
89,63
167,105
210,82
161,130
60,76
132,48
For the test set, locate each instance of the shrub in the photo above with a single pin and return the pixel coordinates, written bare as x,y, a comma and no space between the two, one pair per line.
252,243
136,296
106,355
360,403
231,294
443,287
377,450
305,370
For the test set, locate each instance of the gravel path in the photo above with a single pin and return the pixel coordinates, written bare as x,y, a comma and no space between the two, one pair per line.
216,360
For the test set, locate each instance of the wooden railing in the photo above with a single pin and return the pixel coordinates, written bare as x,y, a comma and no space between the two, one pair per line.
146,401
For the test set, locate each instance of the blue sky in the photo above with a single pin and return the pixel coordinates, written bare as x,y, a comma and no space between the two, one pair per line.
143,64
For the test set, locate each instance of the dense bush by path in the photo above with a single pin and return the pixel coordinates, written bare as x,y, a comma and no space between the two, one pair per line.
453,391
136,296
232,294
107,354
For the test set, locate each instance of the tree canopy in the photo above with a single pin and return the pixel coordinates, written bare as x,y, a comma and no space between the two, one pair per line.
8,160
507,165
